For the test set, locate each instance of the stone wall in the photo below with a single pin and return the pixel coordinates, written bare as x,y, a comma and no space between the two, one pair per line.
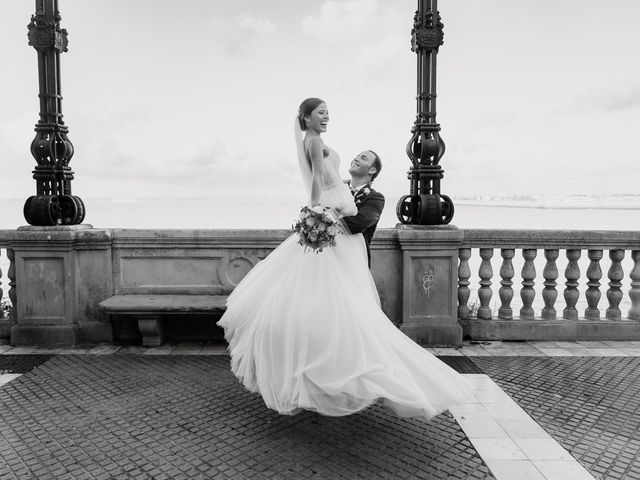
58,275
64,272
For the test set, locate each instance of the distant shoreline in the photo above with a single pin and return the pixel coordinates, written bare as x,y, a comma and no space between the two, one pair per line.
549,207
277,212
556,204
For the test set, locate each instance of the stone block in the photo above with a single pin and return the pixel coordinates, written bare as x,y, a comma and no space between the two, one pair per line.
386,268
430,281
44,335
5,329
45,287
95,283
548,330
61,274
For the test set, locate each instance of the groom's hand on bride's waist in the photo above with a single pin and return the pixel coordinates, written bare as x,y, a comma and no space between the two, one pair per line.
368,213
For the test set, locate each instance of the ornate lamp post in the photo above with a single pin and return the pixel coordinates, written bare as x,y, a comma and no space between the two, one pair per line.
53,203
425,205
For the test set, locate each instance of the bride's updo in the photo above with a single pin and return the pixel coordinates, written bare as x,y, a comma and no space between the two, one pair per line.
306,107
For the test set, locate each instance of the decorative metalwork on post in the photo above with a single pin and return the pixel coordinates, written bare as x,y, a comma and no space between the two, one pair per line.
53,203
425,205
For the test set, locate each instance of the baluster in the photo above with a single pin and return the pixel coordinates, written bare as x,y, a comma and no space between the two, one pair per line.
11,274
464,273
614,294
594,274
550,274
571,293
484,293
634,292
505,312
527,293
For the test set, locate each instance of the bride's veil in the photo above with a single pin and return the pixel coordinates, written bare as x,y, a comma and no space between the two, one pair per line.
303,161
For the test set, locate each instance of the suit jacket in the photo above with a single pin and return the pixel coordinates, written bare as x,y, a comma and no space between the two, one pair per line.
370,204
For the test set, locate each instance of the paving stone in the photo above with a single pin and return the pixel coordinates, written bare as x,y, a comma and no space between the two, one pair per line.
590,405
460,364
104,350
175,417
21,363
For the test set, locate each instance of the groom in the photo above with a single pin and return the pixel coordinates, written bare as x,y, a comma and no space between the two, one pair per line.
364,168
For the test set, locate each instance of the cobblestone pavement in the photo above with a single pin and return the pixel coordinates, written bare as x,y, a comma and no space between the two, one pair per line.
186,417
165,413
590,405
21,363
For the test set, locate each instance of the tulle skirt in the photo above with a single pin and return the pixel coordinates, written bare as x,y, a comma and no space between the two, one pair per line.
306,331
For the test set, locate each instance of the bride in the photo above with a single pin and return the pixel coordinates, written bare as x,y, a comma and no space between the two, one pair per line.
306,330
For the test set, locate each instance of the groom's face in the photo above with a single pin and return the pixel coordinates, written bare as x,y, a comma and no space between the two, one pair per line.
362,164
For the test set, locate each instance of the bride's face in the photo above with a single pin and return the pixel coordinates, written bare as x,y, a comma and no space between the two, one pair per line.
318,119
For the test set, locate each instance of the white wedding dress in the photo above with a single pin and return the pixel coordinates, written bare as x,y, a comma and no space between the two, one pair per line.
306,331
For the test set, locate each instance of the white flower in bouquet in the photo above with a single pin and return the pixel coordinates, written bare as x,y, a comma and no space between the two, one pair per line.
317,228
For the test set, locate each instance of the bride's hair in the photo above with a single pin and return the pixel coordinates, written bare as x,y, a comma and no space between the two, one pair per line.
306,107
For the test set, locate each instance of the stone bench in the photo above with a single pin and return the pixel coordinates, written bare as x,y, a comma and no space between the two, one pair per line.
150,310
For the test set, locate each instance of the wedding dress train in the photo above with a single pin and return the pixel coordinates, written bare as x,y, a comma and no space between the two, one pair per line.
306,331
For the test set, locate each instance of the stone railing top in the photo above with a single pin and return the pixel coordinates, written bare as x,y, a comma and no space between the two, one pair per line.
5,236
219,237
561,239
197,237
384,237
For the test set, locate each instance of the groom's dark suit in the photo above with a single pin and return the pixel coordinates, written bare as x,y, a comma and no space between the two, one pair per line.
370,204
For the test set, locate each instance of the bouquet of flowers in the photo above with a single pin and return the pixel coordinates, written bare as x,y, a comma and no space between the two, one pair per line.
317,227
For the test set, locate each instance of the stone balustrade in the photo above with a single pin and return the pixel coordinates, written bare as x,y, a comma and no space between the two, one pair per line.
552,320
436,283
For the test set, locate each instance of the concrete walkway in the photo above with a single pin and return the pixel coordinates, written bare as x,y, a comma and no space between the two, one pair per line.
542,410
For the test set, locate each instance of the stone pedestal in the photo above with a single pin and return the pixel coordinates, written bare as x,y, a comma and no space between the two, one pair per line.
430,283
61,275
5,330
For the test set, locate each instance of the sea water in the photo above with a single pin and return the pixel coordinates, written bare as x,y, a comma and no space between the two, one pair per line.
280,213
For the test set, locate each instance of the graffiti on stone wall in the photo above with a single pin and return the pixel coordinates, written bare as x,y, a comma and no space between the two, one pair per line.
428,279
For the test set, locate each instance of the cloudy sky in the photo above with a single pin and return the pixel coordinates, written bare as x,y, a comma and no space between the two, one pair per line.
197,97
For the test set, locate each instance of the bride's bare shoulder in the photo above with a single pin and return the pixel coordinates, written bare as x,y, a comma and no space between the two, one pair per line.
314,144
